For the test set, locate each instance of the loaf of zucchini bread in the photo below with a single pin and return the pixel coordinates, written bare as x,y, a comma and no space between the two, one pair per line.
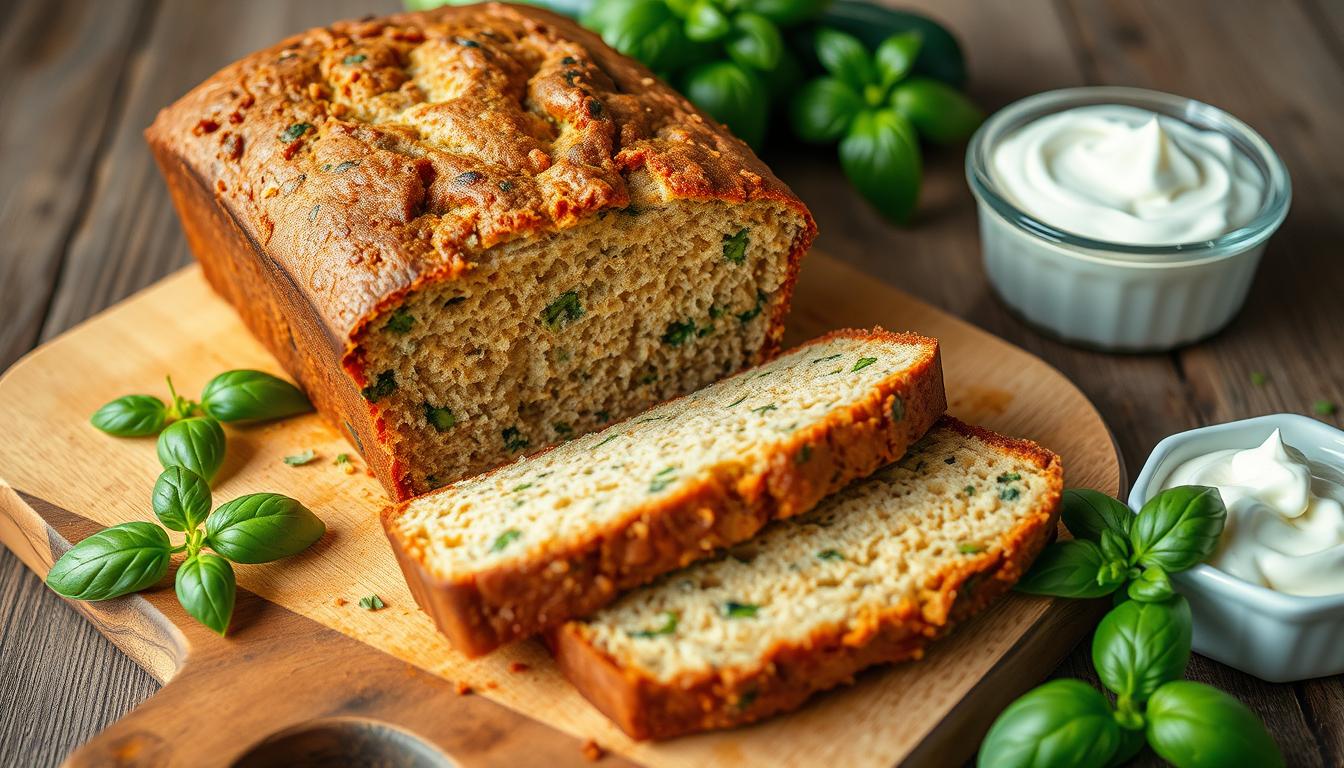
473,232
509,553
873,574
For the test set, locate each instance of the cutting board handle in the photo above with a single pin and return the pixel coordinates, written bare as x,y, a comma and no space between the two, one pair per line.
279,690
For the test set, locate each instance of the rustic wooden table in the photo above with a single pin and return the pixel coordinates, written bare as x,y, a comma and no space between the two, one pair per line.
87,222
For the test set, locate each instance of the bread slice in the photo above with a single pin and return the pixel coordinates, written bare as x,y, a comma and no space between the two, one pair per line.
557,535
873,575
477,231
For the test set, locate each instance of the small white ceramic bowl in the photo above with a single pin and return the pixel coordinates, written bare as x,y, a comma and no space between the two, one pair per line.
1114,296
1276,637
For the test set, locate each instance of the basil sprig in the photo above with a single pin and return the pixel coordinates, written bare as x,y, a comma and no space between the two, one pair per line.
241,395
1175,530
1140,649
877,110
189,432
129,557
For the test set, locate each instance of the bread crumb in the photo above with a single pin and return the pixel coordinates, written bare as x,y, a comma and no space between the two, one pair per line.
462,688
592,751
492,685
341,602
518,666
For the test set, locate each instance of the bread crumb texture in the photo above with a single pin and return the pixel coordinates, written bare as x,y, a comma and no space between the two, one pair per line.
890,546
511,232
561,500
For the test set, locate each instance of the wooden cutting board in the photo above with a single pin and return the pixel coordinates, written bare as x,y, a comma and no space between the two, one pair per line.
305,672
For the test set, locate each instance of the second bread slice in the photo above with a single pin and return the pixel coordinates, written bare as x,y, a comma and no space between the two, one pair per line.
874,574
509,553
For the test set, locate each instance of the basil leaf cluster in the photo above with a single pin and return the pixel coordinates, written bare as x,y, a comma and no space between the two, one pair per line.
877,110
239,395
1175,530
126,558
728,56
1140,648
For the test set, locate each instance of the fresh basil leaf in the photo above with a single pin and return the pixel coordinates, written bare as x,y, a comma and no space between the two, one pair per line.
1069,569
1114,547
112,562
181,499
246,395
787,13
1178,528
601,16
940,55
1152,586
706,22
754,42
196,443
261,527
647,30
131,416
845,58
895,56
1061,723
1139,646
206,589
823,110
938,111
1193,725
732,95
880,157
1087,513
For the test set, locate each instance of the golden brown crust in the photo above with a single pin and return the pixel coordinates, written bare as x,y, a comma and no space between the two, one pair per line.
481,612
365,160
787,674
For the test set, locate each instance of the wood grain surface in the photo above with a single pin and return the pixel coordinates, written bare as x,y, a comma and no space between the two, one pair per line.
87,222
178,326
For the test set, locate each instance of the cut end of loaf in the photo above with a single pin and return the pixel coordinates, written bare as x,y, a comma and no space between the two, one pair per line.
870,576
543,341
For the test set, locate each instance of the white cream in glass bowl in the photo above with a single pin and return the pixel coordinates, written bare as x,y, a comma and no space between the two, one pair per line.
1122,218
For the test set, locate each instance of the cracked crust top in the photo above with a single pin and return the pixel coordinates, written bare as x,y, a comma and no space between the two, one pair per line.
368,157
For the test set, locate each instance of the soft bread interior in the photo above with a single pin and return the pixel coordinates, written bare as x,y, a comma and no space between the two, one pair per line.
585,486
546,339
876,546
